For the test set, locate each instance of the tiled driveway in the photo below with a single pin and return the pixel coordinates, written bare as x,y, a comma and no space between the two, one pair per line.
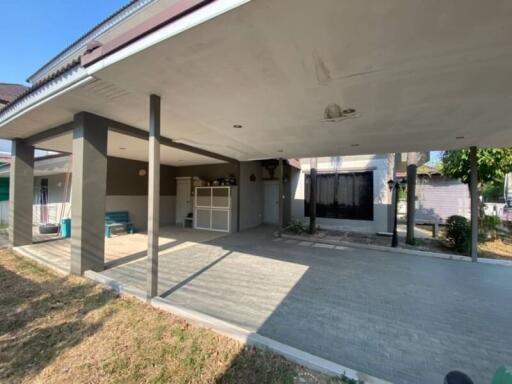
406,319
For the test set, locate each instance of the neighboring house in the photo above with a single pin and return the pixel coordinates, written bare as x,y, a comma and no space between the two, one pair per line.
9,92
352,192
51,197
438,197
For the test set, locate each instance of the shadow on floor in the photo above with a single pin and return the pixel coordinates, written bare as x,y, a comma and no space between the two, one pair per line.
402,318
140,255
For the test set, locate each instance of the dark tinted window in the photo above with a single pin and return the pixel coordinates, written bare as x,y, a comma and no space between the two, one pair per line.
343,195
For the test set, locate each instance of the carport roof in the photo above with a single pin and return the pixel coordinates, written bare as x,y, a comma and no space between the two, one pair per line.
421,76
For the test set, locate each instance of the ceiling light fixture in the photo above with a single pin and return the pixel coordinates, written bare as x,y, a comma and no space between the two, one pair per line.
333,112
280,151
122,148
237,126
354,145
459,137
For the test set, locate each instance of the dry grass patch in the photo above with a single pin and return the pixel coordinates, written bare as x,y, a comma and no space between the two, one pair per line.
67,330
496,249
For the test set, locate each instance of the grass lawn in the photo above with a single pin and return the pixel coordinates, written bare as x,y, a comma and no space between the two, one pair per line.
57,329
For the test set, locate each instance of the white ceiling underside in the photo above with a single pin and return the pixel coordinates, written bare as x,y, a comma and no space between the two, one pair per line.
129,147
419,73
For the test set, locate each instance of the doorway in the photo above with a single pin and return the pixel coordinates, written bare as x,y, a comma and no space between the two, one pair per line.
183,199
270,202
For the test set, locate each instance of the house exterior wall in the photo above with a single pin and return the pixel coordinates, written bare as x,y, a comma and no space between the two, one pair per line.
378,164
250,194
438,197
127,191
287,189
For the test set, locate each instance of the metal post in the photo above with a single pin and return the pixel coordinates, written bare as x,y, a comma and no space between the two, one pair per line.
153,196
473,188
312,196
281,196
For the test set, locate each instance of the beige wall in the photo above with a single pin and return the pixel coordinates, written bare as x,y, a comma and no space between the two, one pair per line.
127,190
250,194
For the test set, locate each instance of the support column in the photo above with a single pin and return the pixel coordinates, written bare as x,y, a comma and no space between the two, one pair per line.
312,195
281,196
21,193
412,170
239,184
153,196
88,188
473,189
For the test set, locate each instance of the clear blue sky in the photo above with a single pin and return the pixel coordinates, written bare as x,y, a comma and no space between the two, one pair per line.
34,31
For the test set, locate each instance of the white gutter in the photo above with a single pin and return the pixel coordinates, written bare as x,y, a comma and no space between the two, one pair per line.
57,87
197,17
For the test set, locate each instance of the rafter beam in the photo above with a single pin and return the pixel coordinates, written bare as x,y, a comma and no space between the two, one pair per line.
129,130
49,133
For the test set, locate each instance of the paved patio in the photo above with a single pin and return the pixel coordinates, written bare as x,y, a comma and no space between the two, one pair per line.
406,319
119,249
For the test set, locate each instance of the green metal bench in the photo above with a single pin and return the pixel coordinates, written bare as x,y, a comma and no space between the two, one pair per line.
119,219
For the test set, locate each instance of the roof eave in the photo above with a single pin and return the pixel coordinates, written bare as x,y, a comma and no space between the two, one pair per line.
117,17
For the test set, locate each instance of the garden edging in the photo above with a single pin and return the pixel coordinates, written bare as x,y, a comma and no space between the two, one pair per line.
349,244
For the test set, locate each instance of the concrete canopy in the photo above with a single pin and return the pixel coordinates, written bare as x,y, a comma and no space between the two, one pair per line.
421,76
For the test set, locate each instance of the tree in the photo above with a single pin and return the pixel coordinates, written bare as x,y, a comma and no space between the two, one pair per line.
493,165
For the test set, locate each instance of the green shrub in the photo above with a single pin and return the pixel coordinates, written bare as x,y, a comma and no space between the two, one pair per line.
489,226
458,233
296,227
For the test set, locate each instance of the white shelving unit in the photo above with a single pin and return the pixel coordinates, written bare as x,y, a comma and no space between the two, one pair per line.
215,208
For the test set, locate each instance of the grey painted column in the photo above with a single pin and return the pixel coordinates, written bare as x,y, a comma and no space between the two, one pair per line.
281,196
153,196
88,190
312,195
473,187
239,183
412,170
21,193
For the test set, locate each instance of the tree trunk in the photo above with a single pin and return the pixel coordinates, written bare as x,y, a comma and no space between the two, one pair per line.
412,168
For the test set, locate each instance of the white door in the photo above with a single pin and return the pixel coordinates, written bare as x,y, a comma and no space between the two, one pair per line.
271,202
183,200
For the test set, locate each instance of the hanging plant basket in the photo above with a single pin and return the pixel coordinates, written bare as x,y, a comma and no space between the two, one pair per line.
46,229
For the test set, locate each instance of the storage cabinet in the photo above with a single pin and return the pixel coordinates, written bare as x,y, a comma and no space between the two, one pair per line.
215,208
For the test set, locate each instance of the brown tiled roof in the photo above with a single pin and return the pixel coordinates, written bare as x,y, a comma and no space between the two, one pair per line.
8,92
